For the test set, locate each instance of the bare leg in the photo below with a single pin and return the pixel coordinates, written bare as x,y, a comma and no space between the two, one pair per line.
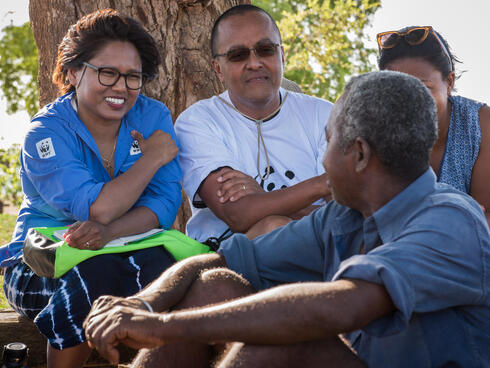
266,225
73,357
214,286
328,353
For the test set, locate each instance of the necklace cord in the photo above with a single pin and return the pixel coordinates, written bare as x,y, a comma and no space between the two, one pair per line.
260,137
108,162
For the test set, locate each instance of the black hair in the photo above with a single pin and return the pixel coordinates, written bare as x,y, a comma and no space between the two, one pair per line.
396,114
430,50
92,32
237,10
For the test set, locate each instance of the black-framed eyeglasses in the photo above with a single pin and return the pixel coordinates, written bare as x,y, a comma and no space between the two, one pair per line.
110,76
238,54
414,36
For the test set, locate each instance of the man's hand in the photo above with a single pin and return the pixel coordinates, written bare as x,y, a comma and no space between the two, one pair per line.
160,146
105,303
105,328
234,185
88,235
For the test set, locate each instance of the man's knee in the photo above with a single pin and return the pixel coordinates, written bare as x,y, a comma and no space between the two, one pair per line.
273,222
266,225
332,352
215,286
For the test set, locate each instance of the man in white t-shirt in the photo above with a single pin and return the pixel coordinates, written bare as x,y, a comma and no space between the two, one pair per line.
251,156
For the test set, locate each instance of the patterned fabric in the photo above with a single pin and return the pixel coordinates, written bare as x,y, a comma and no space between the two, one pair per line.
463,144
59,306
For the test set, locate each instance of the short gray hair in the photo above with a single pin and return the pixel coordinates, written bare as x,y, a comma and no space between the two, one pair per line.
396,114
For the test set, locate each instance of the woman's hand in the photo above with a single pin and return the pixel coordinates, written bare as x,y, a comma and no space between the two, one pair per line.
160,146
88,235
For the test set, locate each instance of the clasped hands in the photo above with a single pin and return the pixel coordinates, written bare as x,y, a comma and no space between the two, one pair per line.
234,185
114,320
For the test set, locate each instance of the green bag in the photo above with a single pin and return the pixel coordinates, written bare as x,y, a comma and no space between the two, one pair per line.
48,257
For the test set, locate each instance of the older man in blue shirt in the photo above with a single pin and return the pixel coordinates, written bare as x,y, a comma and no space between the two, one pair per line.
398,263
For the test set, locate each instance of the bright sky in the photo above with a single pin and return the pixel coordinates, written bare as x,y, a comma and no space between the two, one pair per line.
464,24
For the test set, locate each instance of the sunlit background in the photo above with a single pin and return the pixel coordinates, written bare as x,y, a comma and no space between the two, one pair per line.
464,24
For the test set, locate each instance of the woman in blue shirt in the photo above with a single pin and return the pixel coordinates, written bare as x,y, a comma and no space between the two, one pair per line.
103,156
461,154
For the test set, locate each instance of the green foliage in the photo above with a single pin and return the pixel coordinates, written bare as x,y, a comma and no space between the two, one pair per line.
18,75
279,8
3,301
7,224
323,41
10,187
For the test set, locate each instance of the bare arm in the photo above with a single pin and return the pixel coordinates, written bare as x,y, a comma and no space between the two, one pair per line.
137,220
223,192
167,290
480,190
283,315
121,193
170,288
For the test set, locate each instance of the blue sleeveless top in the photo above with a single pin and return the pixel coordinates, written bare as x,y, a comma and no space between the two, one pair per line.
463,144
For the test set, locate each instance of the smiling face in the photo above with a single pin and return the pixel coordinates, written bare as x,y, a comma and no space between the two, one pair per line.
256,80
439,87
98,104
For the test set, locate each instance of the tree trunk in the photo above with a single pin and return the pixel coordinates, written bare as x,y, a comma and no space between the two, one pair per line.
181,28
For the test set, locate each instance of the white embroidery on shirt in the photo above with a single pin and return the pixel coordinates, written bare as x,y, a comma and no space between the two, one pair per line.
135,148
45,148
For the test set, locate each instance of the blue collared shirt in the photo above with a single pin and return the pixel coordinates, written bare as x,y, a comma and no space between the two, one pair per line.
429,246
62,172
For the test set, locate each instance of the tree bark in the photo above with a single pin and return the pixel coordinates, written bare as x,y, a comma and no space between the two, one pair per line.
181,28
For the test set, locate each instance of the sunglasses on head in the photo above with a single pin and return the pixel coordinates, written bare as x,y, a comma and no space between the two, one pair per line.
414,36
239,54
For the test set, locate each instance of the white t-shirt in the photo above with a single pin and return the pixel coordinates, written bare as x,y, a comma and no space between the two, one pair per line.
212,135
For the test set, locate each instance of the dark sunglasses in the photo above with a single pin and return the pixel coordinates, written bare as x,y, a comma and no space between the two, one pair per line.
414,36
239,54
110,76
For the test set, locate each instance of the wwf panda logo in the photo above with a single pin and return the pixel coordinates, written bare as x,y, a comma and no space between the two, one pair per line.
45,148
270,184
135,148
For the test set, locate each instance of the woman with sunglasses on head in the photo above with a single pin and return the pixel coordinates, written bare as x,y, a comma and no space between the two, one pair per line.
101,155
461,154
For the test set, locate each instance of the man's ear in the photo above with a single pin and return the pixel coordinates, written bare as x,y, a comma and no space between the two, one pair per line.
283,58
362,154
217,70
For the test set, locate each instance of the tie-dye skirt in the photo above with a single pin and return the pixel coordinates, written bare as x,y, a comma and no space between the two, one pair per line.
59,306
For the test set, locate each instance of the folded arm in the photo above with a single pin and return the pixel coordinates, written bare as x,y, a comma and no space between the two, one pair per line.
283,315
238,200
121,193
169,289
93,235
